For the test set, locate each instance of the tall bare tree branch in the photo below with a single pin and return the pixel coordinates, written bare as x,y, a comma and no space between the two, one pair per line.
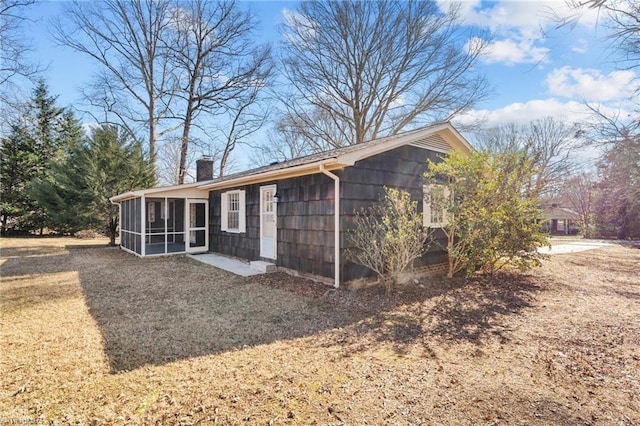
14,47
375,68
548,144
218,64
124,37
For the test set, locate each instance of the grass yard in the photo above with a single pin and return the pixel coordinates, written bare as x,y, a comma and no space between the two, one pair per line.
92,335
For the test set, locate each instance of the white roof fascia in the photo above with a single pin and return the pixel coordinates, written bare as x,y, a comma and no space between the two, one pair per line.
446,130
459,141
295,171
144,192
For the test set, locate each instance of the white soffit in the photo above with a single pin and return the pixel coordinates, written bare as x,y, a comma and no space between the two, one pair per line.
434,142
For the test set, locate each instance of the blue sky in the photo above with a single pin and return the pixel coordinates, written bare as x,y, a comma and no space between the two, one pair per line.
534,68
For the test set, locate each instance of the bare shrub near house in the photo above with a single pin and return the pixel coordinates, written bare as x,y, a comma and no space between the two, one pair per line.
389,236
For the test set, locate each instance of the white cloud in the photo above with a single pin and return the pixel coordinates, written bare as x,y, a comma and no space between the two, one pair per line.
525,16
301,28
523,113
591,84
570,113
511,52
581,46
519,26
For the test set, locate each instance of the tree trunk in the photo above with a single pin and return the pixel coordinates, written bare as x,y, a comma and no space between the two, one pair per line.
112,229
225,158
184,148
152,137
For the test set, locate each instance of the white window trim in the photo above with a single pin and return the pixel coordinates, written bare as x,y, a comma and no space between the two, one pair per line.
426,206
224,209
274,211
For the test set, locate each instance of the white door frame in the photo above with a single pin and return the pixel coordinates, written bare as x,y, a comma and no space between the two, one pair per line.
272,188
188,228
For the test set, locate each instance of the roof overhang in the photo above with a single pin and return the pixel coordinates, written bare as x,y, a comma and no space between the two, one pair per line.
278,174
441,137
447,133
454,140
187,189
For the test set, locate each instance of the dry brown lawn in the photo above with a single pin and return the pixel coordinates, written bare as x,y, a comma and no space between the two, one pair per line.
92,335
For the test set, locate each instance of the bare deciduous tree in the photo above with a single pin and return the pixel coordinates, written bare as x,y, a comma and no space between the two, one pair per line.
169,61
286,141
625,31
580,192
547,142
617,209
244,122
14,47
620,20
218,64
168,160
377,67
125,38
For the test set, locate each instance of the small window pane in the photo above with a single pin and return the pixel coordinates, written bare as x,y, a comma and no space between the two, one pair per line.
233,210
437,205
267,201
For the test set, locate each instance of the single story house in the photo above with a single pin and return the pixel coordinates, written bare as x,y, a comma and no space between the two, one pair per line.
559,220
295,214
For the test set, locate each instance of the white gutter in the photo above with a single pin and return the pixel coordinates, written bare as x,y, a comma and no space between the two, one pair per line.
336,224
284,173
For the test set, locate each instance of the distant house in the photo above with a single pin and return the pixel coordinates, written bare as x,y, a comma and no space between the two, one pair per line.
295,214
560,220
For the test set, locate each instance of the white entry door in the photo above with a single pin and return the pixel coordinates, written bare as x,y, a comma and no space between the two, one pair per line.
268,222
197,221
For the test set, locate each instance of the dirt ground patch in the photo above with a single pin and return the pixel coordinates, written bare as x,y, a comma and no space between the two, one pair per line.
93,335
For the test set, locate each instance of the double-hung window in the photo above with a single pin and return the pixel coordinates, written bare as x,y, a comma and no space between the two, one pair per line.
233,211
435,204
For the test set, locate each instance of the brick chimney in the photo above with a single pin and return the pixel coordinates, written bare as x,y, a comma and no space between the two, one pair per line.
204,169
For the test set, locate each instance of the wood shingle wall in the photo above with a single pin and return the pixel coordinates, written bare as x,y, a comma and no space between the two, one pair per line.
305,225
363,184
305,213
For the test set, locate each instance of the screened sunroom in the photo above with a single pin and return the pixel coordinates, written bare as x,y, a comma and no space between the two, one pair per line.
162,221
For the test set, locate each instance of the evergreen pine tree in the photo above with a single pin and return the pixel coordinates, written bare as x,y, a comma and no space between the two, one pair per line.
35,141
76,191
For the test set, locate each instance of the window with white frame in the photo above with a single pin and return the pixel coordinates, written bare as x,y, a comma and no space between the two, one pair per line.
233,211
434,207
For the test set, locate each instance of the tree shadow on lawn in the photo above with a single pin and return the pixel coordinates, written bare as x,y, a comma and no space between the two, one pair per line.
164,309
456,310
471,313
159,310
31,251
35,275
20,261
39,259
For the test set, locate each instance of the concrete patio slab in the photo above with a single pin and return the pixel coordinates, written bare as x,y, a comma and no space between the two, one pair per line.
572,247
234,266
